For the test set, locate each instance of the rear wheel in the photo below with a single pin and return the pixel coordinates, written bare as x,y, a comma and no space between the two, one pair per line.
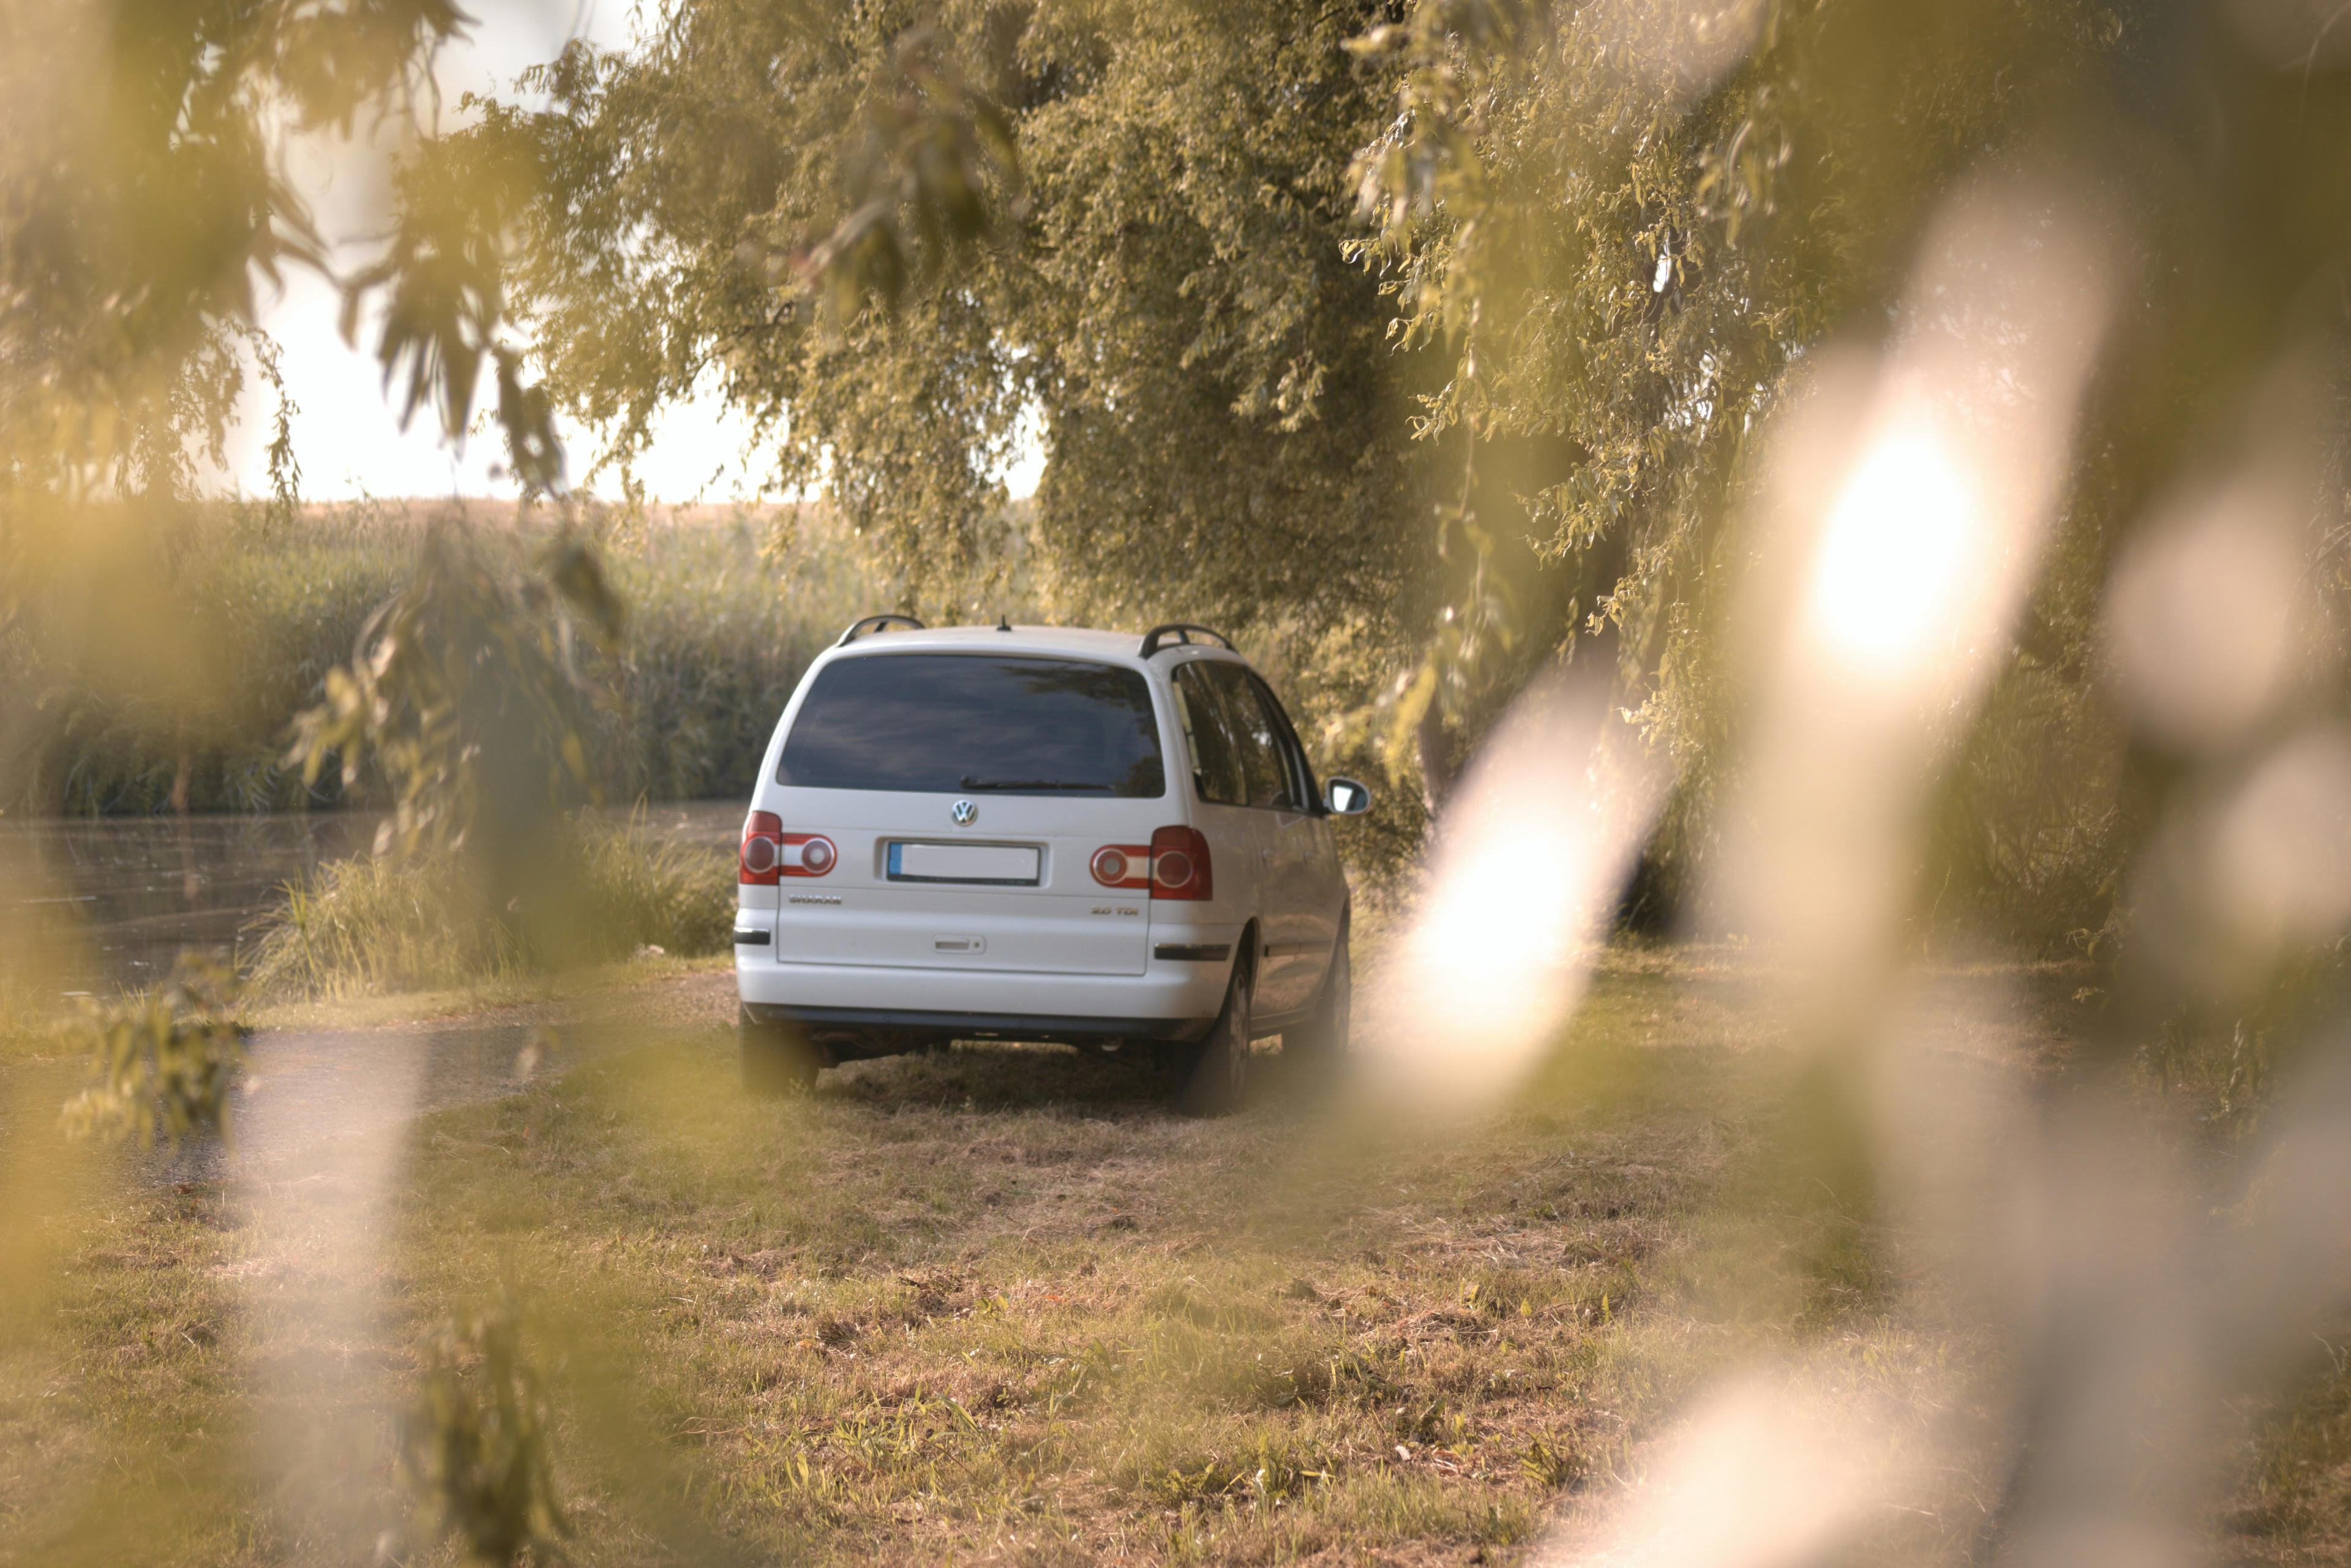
1324,1037
1219,1072
776,1059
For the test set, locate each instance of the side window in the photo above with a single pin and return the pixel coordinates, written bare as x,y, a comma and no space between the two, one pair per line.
1302,793
1264,773
1215,763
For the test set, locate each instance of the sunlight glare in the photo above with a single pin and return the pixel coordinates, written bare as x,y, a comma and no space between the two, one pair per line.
1498,922
1893,553
1530,854
1914,487
2206,614
2280,851
1768,1471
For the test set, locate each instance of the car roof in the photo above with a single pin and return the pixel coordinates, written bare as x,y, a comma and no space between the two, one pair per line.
1114,647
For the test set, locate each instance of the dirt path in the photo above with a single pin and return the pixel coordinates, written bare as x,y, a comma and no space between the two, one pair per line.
308,1085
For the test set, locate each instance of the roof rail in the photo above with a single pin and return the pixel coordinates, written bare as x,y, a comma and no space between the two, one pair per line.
1158,637
874,623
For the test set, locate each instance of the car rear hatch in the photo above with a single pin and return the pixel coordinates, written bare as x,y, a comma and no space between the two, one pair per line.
1009,892
1021,767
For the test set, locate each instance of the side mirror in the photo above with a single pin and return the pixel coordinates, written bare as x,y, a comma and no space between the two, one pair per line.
1346,797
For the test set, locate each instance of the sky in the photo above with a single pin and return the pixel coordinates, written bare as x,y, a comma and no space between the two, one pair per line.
347,435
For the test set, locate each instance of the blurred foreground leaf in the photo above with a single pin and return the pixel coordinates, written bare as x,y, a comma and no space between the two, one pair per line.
143,192
467,692
165,1060
473,1447
441,275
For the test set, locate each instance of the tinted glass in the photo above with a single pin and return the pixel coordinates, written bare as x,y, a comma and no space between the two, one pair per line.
1264,774
1303,796
968,724
1215,763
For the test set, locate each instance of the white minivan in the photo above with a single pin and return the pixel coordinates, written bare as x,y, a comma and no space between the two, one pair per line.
1035,833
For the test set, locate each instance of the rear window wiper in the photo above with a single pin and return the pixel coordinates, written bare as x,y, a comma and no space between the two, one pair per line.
971,783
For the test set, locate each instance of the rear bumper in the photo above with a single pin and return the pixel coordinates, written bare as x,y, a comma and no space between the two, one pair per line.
980,1026
1172,1000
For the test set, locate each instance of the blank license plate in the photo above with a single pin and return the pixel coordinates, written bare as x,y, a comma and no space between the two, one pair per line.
1001,866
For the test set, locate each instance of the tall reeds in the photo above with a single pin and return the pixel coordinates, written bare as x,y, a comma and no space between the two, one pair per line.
718,635
373,924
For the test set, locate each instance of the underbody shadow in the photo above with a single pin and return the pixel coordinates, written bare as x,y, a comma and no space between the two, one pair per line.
1002,1075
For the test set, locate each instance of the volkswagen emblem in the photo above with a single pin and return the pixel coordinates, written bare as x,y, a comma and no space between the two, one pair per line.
965,813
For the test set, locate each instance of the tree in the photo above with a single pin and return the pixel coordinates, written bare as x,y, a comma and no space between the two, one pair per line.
822,208
1510,413
1432,342
143,199
146,195
1628,227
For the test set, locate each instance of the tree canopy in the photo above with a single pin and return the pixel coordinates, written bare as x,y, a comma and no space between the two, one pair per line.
145,200
1146,263
1431,342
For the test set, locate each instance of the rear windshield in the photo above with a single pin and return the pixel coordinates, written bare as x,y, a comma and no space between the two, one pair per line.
972,724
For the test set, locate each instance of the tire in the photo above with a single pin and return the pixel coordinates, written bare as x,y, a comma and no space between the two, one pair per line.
1218,1076
1323,1038
775,1061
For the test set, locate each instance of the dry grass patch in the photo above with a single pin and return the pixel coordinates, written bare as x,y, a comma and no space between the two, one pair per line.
1001,1305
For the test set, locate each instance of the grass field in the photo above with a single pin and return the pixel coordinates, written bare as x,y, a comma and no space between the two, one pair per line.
1000,1305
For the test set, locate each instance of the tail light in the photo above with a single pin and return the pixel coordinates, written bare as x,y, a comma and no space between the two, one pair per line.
1122,865
1173,865
1179,864
763,850
769,853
